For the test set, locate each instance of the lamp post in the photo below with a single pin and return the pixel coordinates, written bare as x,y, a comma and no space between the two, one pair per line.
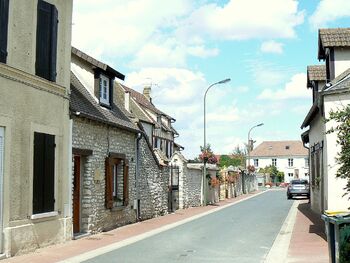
248,148
205,139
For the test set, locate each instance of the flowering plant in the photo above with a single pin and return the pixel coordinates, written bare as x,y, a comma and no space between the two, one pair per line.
214,181
251,168
207,155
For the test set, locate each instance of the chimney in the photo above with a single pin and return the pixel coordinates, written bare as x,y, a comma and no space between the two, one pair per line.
127,101
147,92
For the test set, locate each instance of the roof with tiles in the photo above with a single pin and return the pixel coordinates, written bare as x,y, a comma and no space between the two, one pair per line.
316,73
82,102
279,149
332,37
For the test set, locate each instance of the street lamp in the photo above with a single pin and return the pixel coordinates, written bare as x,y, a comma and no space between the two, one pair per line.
248,148
205,139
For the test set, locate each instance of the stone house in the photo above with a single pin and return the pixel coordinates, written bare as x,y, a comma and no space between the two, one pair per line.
35,43
104,143
156,148
331,92
289,157
156,124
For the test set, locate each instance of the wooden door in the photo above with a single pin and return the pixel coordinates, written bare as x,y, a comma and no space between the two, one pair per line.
76,195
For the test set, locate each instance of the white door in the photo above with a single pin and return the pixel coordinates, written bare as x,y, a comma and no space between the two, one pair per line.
2,139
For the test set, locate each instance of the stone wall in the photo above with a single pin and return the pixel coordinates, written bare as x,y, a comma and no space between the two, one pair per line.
194,184
153,184
102,140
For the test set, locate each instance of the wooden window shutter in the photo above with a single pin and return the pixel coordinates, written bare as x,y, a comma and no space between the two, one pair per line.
4,14
126,184
109,182
111,87
46,41
44,173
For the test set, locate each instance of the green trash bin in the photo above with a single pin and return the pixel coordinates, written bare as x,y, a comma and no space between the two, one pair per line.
338,237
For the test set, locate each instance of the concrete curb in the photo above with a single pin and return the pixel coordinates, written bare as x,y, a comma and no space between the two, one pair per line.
279,250
131,240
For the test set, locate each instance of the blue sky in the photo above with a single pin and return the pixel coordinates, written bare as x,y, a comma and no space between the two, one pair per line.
183,46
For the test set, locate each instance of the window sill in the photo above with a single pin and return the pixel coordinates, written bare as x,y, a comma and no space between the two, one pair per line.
44,215
118,208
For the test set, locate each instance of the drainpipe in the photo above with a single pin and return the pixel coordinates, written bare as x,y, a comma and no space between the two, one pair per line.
137,205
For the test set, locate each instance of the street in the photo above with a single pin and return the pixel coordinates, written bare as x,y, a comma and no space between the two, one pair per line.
243,232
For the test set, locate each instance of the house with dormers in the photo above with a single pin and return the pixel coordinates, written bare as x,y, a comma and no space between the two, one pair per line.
104,149
35,181
331,91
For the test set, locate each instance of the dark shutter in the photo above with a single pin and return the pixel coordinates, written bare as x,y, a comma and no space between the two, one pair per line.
126,184
4,14
109,183
46,41
44,173
111,85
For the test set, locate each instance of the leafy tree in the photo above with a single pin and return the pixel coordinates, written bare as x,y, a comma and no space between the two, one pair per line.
226,161
342,129
272,170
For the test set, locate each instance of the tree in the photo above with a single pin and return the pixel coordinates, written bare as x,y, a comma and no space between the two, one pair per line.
274,173
342,129
226,161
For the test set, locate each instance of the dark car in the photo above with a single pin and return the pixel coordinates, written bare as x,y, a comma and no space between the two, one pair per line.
298,187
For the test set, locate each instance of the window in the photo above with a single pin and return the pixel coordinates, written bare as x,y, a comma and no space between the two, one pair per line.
104,90
46,41
4,15
290,175
44,173
117,179
256,162
274,162
306,162
159,119
290,162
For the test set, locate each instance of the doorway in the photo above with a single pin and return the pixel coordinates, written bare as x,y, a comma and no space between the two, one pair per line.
77,195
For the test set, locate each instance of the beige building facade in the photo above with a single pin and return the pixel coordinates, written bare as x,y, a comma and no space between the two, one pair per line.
34,124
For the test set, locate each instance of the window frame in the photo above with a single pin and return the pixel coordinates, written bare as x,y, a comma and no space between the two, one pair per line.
110,162
46,62
256,162
48,188
107,100
274,162
290,162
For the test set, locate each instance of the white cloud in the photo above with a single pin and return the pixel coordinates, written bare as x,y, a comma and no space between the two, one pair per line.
295,88
201,51
243,19
328,11
272,47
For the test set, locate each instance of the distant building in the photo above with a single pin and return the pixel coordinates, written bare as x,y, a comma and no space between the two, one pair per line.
289,157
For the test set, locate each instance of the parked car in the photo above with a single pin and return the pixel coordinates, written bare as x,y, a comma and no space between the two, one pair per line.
298,187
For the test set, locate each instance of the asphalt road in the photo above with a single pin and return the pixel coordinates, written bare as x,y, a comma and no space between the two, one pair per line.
243,232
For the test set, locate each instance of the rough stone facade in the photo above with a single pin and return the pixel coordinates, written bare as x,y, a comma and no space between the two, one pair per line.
102,140
194,184
153,184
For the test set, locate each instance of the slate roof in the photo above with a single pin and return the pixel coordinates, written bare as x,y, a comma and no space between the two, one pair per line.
82,101
342,85
279,149
143,101
316,73
96,63
332,37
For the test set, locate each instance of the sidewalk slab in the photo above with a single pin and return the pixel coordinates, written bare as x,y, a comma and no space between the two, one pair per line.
308,242
74,248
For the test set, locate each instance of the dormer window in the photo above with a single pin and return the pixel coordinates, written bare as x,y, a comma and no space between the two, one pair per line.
104,90
159,119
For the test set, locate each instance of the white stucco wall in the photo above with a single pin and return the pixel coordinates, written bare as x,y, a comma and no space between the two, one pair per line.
84,73
282,165
334,193
317,135
342,60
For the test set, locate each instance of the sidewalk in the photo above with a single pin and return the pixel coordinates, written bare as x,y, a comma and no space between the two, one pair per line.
308,242
123,235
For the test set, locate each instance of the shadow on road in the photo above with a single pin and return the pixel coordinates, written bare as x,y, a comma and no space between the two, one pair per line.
317,226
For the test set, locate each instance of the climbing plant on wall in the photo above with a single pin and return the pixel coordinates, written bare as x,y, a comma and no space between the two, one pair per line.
342,129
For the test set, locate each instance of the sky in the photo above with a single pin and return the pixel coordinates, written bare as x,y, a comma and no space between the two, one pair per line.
181,47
